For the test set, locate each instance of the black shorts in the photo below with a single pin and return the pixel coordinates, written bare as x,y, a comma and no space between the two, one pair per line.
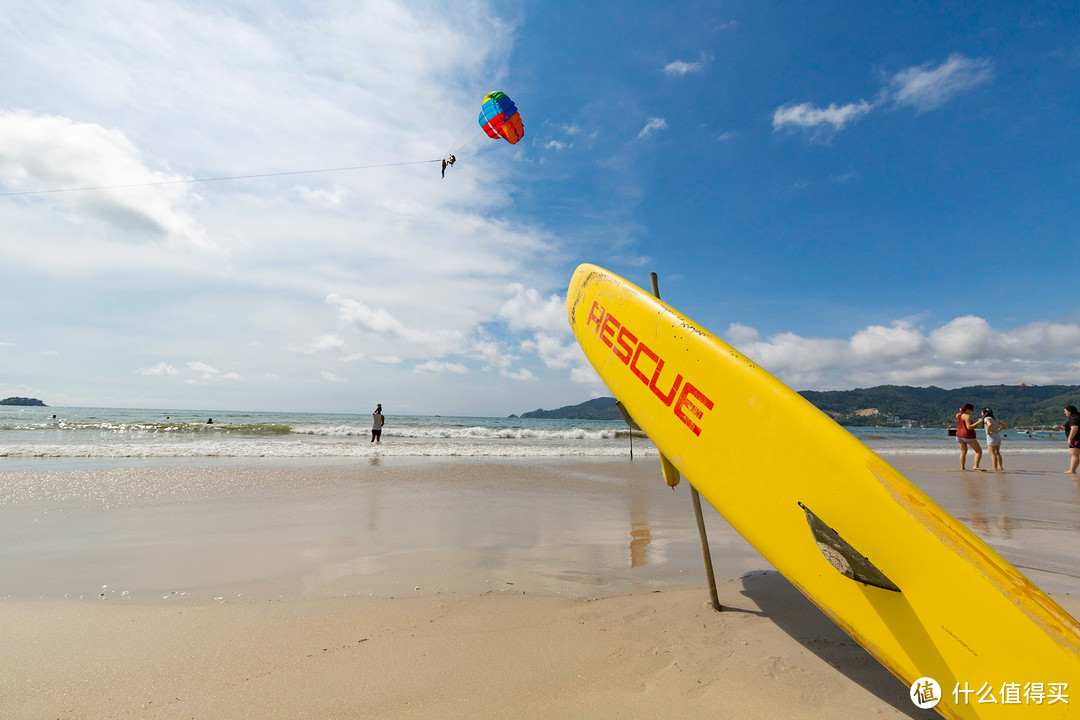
376,432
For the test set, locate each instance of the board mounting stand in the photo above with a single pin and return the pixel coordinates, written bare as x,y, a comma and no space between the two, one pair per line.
671,475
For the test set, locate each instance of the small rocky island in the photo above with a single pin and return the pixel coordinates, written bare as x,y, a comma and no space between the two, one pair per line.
27,402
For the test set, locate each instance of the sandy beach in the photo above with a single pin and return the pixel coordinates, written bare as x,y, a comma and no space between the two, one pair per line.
409,588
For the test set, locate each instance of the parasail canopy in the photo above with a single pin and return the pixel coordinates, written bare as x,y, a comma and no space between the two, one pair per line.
500,118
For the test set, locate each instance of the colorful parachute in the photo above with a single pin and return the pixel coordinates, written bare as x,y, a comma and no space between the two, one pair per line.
499,117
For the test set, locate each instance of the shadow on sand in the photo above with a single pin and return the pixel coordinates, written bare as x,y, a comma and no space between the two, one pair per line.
799,618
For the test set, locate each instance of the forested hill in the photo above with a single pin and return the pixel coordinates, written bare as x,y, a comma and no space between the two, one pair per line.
1039,405
595,409
935,407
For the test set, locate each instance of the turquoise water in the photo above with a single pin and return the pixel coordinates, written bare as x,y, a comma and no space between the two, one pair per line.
132,433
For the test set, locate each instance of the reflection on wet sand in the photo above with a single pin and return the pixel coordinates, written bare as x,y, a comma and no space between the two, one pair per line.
981,506
640,529
1031,515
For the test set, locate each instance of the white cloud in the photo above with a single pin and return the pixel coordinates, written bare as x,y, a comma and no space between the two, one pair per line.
739,335
556,145
964,338
788,351
876,344
439,368
324,197
964,351
526,309
208,374
322,344
806,115
927,87
924,87
158,370
353,312
653,125
201,367
51,152
678,68
554,353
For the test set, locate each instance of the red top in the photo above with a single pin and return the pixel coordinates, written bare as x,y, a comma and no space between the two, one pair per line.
962,430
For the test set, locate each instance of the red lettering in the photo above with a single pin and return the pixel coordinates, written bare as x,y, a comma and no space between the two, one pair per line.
642,348
667,398
592,315
607,329
685,402
624,333
691,403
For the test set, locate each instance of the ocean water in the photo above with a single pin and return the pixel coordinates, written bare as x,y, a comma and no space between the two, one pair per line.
57,432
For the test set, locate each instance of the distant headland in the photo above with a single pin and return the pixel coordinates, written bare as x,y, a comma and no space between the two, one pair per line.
1034,406
28,402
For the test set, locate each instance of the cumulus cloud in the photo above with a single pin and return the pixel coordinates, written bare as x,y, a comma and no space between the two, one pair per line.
653,125
496,356
877,343
964,351
52,152
927,87
964,338
739,335
526,309
382,322
554,353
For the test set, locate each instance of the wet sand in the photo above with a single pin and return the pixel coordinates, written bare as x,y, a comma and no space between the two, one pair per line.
408,588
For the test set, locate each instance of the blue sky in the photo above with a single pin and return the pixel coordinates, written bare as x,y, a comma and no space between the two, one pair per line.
852,194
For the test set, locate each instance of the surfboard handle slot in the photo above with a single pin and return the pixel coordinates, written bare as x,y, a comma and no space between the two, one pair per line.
848,561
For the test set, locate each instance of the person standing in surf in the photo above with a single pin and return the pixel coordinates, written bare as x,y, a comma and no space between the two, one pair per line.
1072,438
993,428
965,435
377,421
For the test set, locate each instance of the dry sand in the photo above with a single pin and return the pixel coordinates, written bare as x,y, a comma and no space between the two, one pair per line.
441,589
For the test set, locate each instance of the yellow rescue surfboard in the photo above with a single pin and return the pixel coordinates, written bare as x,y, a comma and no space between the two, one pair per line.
893,569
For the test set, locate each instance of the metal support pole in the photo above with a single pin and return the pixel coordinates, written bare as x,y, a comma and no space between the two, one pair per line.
705,554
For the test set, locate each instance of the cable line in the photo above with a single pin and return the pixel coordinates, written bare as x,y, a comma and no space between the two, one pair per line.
215,179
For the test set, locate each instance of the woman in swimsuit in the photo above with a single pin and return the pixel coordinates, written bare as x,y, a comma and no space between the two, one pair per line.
1072,437
993,428
965,435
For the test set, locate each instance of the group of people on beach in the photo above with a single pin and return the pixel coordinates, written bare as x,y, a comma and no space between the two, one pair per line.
967,438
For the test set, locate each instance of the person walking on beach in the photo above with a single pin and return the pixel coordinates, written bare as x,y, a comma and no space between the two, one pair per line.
377,421
1072,437
965,435
993,428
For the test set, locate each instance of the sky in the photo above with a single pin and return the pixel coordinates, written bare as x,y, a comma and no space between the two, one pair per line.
852,194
